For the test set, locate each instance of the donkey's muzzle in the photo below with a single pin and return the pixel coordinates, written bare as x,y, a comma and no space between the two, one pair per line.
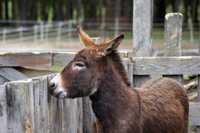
55,87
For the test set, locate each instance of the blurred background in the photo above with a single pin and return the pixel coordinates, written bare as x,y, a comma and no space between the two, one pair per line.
51,24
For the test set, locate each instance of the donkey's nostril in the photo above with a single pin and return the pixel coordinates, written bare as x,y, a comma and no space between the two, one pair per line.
52,85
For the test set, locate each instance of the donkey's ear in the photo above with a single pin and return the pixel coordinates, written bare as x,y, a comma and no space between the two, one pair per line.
113,44
85,38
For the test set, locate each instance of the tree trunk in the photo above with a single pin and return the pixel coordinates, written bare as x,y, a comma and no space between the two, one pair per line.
186,4
32,8
1,9
44,9
58,10
78,8
69,9
23,9
6,10
176,5
109,5
90,10
195,6
159,11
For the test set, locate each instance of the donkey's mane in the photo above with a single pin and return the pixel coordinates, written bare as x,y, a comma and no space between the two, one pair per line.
115,57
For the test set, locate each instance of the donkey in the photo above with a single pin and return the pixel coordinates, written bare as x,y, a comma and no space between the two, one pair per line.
159,106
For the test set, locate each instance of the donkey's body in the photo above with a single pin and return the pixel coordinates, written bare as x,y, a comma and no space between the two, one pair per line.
159,106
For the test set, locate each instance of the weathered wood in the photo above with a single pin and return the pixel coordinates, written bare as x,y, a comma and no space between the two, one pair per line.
173,32
20,107
72,116
166,65
88,117
142,24
33,60
3,109
2,80
55,115
198,98
194,114
40,98
11,74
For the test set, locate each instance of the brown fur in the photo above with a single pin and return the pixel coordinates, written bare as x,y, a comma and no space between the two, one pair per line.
159,106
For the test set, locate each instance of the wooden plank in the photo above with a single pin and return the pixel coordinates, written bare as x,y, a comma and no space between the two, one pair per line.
72,116
173,32
89,119
3,109
20,107
2,80
55,115
40,93
33,60
166,65
142,25
194,114
198,98
11,74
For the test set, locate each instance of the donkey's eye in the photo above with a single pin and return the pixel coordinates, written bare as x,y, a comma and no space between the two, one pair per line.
79,65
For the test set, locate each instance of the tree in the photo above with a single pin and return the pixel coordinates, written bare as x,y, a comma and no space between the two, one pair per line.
159,11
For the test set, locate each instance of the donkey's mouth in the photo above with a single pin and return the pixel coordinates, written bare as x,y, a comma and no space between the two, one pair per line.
58,92
61,94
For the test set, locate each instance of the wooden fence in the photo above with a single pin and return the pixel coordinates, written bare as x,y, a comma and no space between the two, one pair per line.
26,107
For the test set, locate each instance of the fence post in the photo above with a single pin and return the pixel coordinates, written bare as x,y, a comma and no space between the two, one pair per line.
191,29
41,31
173,32
3,109
20,108
35,33
142,25
59,32
47,26
70,30
4,36
117,12
20,33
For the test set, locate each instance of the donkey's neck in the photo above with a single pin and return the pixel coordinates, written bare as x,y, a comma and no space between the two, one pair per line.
112,100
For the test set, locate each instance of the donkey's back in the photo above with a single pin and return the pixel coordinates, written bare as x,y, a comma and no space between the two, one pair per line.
164,107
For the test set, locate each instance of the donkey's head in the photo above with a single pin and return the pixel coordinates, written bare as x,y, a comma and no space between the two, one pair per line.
81,77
